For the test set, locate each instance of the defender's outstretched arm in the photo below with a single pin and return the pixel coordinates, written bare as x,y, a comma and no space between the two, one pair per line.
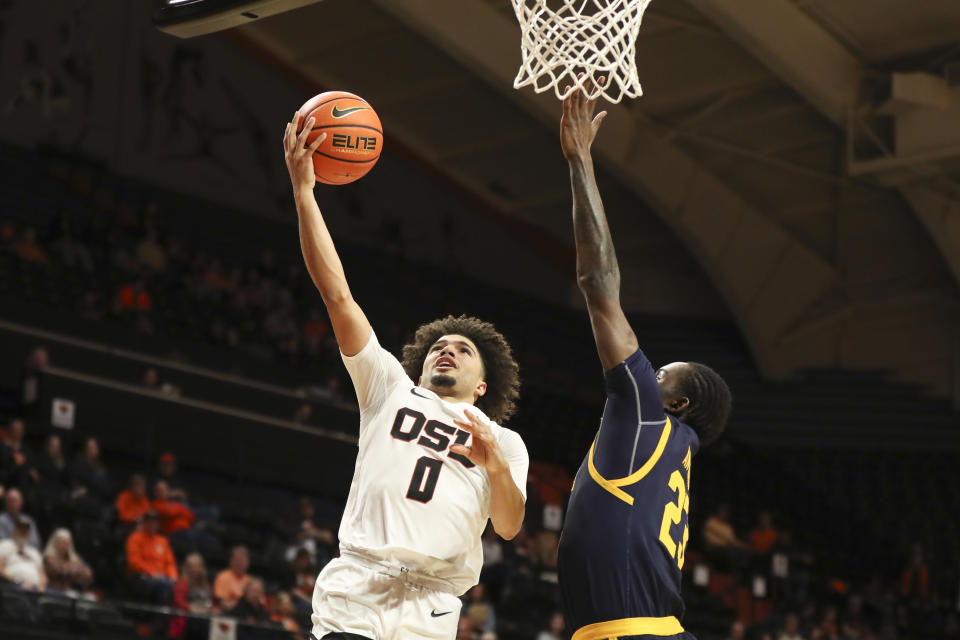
598,274
350,325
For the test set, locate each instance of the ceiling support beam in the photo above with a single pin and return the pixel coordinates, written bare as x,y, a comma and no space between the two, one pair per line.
795,47
809,59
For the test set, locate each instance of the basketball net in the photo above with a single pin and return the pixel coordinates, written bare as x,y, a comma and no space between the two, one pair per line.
593,37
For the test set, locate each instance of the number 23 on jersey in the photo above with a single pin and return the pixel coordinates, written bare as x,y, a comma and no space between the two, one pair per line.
677,512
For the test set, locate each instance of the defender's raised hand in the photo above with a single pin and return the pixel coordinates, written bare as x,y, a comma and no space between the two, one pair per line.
578,126
298,154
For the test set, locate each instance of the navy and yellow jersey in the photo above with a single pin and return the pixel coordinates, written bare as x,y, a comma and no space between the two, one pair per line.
623,542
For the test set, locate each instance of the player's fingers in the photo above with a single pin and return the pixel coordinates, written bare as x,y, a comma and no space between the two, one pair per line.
480,427
317,142
598,119
302,138
289,137
462,450
466,426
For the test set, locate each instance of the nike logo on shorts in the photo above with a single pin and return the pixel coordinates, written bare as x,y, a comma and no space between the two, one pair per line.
434,614
338,113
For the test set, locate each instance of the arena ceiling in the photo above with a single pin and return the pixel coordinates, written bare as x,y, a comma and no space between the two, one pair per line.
805,154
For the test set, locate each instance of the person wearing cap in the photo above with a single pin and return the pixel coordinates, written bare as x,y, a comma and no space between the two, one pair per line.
150,561
19,562
167,472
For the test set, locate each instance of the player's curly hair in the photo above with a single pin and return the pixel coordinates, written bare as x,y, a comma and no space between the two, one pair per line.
500,370
710,402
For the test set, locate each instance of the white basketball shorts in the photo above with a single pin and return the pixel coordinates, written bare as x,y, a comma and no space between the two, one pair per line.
359,595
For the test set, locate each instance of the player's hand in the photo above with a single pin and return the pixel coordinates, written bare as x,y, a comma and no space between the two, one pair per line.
578,125
483,450
298,154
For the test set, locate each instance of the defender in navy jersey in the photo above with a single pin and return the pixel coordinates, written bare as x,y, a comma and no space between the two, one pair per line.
623,542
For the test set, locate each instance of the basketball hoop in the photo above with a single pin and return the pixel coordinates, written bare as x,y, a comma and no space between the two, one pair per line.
593,37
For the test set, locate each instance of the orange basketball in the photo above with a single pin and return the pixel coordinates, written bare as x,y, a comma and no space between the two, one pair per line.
354,136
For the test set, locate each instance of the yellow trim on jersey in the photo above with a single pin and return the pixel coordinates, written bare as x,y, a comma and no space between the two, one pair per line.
613,486
613,629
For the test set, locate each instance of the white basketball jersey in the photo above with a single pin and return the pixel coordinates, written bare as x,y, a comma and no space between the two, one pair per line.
412,501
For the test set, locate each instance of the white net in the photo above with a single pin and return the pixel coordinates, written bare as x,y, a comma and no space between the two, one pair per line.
593,37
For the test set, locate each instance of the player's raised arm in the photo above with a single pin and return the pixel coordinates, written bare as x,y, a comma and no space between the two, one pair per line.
598,274
350,325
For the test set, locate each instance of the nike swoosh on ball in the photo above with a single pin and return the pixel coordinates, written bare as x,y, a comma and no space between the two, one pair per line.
337,113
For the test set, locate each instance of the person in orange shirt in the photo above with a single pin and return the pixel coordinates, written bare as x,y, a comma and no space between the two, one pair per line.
229,585
133,503
28,250
150,561
764,536
174,516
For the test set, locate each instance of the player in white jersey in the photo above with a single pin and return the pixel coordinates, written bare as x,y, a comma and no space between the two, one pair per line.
433,465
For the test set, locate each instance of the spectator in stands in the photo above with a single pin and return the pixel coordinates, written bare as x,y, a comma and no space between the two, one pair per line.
315,331
151,254
494,570
90,479
723,546
133,502
308,534
719,533
229,586
176,521
250,608
52,467
192,591
13,502
554,630
302,413
19,462
70,251
66,570
737,631
53,485
28,250
828,626
764,536
150,561
167,471
479,610
303,580
283,610
174,516
151,379
37,361
791,628
915,578
464,629
20,562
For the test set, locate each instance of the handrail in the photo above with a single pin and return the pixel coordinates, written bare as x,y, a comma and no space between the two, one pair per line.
199,404
166,363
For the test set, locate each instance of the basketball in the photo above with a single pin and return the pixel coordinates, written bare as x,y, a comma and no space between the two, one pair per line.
354,136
